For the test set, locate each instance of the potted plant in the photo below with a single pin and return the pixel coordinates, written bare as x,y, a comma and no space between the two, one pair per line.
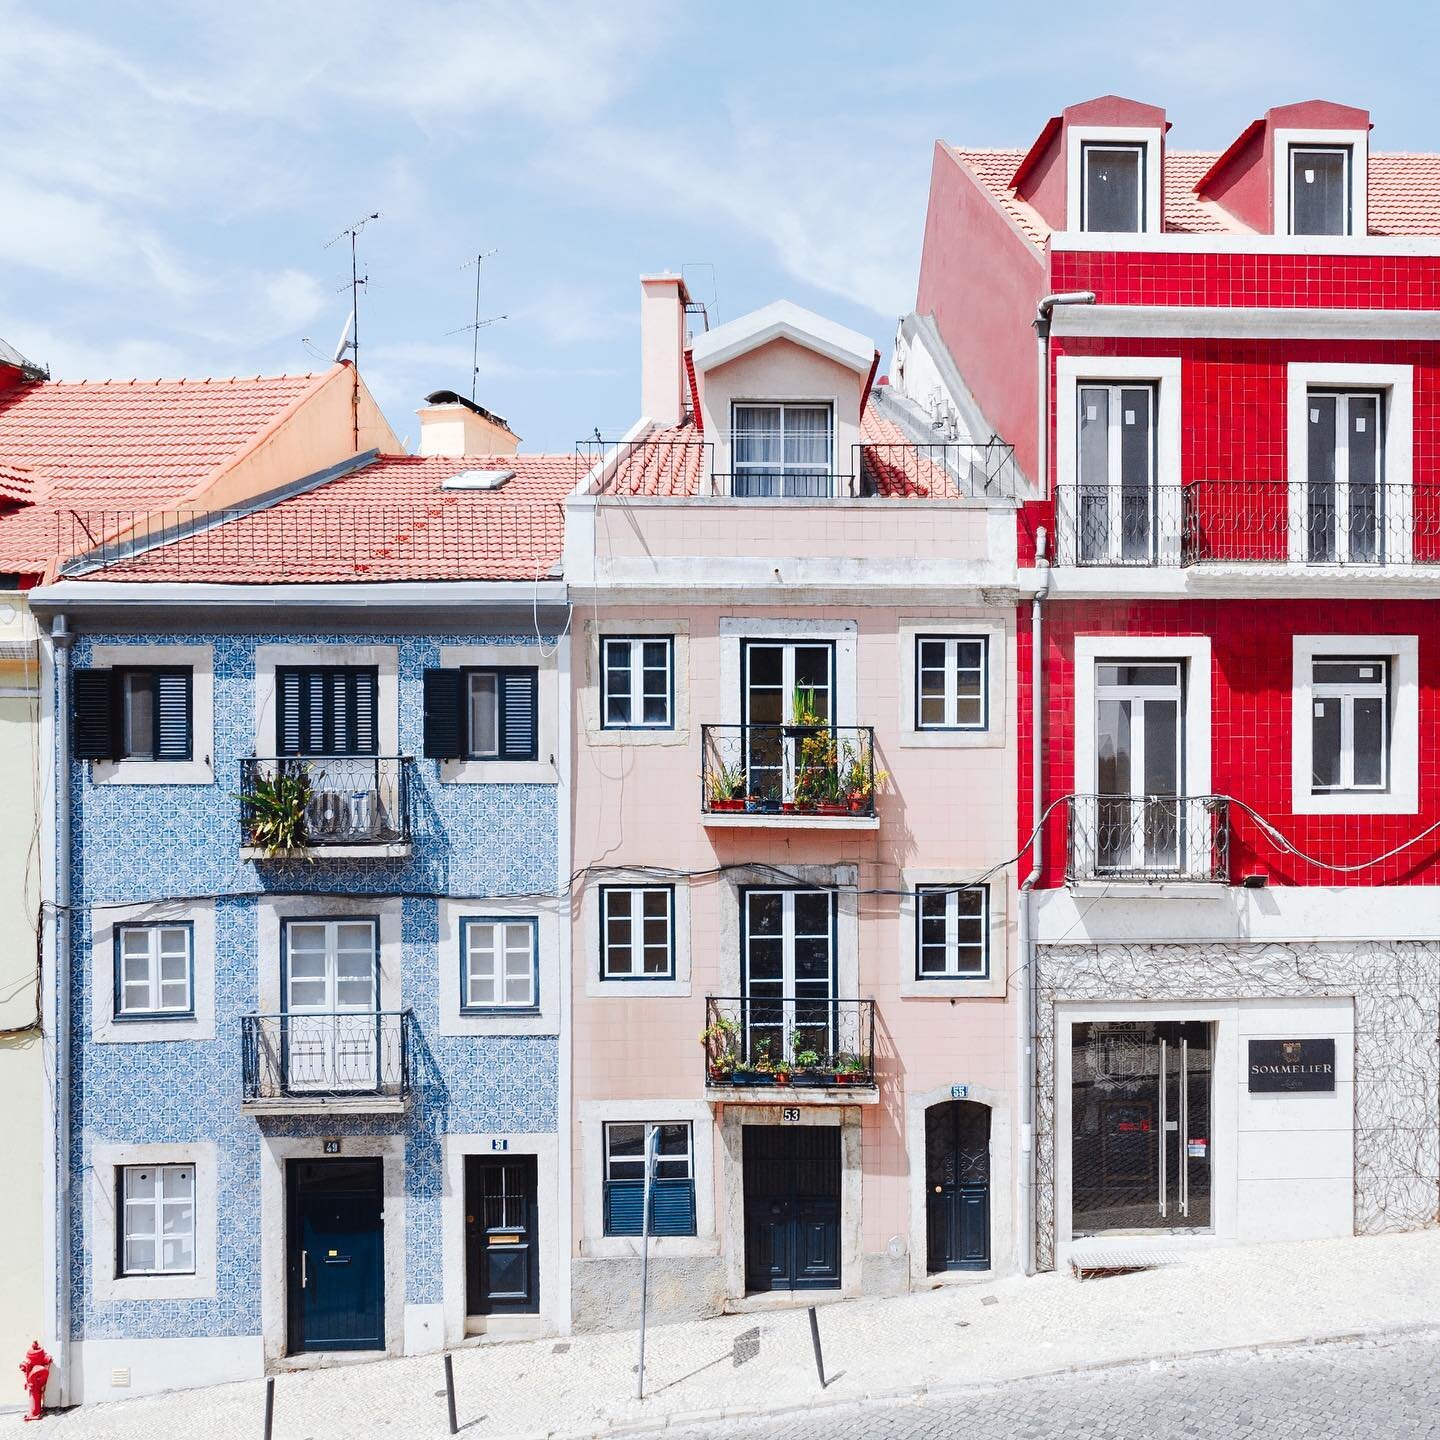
860,779
816,769
718,1038
275,812
727,788
758,1071
810,1069
804,718
850,1070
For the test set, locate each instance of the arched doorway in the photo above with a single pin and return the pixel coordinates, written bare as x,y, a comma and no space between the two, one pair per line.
957,1186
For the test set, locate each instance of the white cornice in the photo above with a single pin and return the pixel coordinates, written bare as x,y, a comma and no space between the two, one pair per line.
784,320
1168,242
1250,323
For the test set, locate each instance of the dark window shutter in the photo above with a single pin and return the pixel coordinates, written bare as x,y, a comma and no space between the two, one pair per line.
172,715
672,1207
623,1199
444,716
364,735
288,722
519,701
93,715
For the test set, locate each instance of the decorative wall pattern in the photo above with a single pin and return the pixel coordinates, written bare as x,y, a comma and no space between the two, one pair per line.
137,843
1396,990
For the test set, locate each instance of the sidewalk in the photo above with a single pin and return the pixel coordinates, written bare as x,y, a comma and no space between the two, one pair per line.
945,1339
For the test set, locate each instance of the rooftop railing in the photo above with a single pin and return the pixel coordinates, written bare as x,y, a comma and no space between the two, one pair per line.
937,470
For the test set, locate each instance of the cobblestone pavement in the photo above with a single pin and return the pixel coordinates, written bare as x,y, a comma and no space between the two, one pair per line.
1386,1389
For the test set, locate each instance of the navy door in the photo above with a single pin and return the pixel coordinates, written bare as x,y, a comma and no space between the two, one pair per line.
957,1176
502,1240
336,1255
792,1207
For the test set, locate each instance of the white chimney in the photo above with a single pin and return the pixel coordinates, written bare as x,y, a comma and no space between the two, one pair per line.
662,348
452,425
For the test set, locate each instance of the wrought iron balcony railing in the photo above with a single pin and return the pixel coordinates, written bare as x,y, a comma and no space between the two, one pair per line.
324,802
802,1040
306,1058
1152,838
1247,522
809,770
757,482
943,469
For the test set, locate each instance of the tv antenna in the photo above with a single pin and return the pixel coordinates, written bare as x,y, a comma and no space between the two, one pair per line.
477,324
350,335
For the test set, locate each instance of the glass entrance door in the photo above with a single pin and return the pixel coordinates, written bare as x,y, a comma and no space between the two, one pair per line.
1140,1153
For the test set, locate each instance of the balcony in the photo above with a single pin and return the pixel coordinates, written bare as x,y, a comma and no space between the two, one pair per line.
317,805
1245,522
762,776
942,469
789,1049
345,1062
1148,840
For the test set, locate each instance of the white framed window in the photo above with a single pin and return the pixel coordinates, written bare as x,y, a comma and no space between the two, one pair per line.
499,963
1346,514
782,450
637,680
952,685
156,1234
154,971
1112,187
672,1191
1355,732
482,701
1350,725
637,932
1320,191
953,932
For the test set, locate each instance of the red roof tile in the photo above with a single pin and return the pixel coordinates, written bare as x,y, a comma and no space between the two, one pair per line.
17,482
389,521
1404,193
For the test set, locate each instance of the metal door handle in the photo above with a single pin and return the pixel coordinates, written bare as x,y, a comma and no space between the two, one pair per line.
1163,1127
304,1270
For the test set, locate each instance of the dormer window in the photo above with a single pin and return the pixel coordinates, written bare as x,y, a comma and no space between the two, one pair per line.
782,450
1320,189
1112,195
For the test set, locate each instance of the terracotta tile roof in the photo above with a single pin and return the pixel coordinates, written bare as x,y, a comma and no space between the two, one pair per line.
17,482
665,462
1404,196
389,521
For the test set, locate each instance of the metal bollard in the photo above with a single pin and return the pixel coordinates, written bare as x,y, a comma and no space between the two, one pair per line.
449,1391
269,1405
815,1341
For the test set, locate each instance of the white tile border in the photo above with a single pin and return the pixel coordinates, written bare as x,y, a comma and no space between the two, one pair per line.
589,683
105,1029
998,661
106,1287
546,912
540,771
1403,797
992,985
200,768
588,937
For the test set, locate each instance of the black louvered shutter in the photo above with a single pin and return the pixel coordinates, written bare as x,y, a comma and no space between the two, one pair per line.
363,736
172,715
444,715
93,714
288,728
519,721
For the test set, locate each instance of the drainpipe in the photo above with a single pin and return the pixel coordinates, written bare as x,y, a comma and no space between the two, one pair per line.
61,638
1025,921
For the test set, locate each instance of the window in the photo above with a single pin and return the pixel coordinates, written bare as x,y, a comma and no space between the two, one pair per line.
1350,725
154,971
954,929
498,965
1345,497
326,710
132,714
488,713
1320,190
951,686
1115,461
636,682
782,450
1139,755
637,932
672,1190
1112,196
157,1229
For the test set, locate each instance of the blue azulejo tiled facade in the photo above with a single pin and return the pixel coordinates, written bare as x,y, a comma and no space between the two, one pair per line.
481,839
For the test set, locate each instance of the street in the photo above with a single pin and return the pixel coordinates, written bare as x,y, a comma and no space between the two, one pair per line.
1387,1387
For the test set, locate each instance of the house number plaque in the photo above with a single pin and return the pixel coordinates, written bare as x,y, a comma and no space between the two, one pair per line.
791,1114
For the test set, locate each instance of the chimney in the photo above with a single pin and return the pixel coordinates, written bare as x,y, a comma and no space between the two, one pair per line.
452,425
662,348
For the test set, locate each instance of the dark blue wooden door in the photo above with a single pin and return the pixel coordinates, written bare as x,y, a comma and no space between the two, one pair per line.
957,1175
336,1255
792,1207
502,1240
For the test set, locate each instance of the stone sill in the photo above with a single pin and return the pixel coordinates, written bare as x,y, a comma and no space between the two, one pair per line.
788,1095
401,851
794,820
1150,889
328,1105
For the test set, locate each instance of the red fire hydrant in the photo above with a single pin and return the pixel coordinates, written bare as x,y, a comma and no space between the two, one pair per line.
35,1367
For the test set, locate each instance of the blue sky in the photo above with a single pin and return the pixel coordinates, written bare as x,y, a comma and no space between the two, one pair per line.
170,173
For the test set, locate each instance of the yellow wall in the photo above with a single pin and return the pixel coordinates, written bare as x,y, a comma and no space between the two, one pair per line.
24,1095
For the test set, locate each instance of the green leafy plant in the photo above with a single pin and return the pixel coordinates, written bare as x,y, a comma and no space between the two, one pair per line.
807,1060
802,708
727,782
850,1065
276,805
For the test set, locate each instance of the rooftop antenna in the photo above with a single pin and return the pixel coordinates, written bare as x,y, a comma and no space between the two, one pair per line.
350,335
477,324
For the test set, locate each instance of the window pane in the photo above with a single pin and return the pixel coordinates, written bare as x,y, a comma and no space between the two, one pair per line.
1369,724
139,1184
484,713
807,437
138,697
1325,744
757,435
139,1255
617,682
178,1254
1112,188
1318,190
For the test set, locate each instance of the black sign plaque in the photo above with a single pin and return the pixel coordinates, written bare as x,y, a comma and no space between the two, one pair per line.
1289,1065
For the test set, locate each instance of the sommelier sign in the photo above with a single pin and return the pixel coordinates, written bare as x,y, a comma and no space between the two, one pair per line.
1285,1065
